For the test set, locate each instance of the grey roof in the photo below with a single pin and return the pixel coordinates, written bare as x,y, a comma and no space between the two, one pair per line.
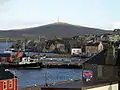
5,74
92,44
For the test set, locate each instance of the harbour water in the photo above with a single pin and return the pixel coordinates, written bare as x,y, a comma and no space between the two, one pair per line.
4,46
43,75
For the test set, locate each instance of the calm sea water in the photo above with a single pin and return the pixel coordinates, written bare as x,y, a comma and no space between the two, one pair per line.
42,76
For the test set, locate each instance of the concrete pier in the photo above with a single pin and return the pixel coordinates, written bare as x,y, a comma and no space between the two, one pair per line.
61,64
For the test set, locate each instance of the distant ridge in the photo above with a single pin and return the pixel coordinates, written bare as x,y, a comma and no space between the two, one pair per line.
59,29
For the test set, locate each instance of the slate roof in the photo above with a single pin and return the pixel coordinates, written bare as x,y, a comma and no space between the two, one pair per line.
5,74
98,59
92,44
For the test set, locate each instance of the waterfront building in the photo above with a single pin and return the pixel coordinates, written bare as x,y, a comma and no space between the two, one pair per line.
103,68
76,51
8,80
94,47
114,38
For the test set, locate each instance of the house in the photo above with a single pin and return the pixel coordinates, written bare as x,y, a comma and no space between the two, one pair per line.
61,48
94,47
114,38
76,51
8,81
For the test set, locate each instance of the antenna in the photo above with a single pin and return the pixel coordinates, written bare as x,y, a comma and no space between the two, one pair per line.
58,20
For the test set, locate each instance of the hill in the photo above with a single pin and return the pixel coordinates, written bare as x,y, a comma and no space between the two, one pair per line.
52,30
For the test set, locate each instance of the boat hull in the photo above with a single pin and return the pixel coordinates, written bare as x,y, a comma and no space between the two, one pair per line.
23,66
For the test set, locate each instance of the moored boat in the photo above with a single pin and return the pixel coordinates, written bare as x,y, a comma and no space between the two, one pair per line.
24,62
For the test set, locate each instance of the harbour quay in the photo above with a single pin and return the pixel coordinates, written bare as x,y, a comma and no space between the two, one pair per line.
100,84
57,63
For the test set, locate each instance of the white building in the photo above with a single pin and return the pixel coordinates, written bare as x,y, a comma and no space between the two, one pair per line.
100,47
76,51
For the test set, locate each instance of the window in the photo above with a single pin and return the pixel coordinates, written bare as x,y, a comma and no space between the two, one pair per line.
74,50
10,84
77,51
31,60
5,85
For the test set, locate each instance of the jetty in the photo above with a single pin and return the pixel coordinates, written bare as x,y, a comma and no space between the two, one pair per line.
46,64
61,64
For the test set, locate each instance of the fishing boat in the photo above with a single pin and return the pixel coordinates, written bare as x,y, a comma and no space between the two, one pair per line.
24,63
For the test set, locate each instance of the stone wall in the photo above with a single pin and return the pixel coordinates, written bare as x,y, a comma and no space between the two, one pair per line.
103,71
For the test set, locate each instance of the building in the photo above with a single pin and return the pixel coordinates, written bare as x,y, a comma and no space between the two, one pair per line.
101,68
118,56
94,47
76,51
8,80
114,38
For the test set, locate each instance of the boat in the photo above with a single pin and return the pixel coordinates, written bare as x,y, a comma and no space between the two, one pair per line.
24,63
21,60
9,50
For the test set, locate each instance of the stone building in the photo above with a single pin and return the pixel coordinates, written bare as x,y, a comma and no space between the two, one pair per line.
94,47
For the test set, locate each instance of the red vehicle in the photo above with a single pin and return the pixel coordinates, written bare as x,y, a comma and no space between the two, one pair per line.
8,81
87,75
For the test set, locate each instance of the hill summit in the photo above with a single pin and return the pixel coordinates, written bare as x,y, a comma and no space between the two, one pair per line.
59,29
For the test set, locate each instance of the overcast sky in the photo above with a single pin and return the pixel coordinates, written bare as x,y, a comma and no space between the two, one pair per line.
104,14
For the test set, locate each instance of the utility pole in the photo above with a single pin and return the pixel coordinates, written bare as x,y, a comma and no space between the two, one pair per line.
46,78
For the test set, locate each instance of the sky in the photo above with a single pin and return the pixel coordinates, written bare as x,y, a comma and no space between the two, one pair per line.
17,14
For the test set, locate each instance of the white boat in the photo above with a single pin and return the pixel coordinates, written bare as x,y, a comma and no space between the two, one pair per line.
9,51
28,60
25,62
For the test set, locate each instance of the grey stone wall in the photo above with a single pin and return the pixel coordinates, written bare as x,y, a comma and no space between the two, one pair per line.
103,71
